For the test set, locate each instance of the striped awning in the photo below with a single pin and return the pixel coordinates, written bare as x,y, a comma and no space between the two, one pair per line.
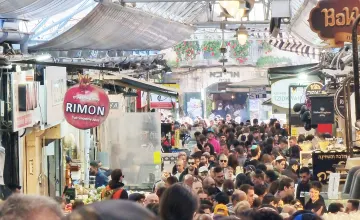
295,46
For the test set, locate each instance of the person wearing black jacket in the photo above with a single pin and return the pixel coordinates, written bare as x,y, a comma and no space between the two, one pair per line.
303,185
191,169
294,150
316,202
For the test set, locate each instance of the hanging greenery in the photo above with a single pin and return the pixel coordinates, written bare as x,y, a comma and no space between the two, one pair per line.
187,50
239,52
211,47
266,47
271,61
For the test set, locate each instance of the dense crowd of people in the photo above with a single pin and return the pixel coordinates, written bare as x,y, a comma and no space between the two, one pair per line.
235,171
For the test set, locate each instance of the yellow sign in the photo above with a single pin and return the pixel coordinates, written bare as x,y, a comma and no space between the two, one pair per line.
294,132
177,138
157,157
173,85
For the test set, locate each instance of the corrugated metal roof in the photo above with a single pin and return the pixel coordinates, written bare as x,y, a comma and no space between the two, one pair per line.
300,27
34,9
111,26
184,12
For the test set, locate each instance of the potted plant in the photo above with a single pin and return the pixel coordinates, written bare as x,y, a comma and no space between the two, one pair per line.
211,49
239,52
187,50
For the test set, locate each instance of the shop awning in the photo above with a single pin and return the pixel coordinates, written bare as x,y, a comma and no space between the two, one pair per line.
110,26
267,102
293,71
296,46
133,83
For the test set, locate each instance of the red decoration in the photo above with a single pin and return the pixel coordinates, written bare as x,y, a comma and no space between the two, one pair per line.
86,106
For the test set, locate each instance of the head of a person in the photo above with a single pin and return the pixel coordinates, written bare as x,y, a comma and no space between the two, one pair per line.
294,165
191,163
183,207
223,137
237,197
224,148
182,156
255,151
94,168
23,207
336,207
258,177
241,207
280,163
266,158
260,191
205,158
180,166
137,197
160,191
117,176
219,176
270,176
266,213
352,205
292,141
209,148
152,198
208,182
171,180
197,186
223,160
228,187
77,204
221,198
250,193
283,143
210,134
304,173
202,139
287,185
315,189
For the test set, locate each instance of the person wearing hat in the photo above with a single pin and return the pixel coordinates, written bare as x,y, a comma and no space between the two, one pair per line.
279,165
212,140
291,170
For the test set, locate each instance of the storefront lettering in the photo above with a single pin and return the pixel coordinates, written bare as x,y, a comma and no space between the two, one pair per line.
340,19
226,75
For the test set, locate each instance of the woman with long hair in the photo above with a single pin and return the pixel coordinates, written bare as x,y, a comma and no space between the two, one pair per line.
115,188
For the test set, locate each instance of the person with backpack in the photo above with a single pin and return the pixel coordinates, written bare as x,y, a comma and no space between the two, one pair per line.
115,188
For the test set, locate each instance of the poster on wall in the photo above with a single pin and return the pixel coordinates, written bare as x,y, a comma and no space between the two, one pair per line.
55,80
135,148
85,105
193,104
164,101
25,100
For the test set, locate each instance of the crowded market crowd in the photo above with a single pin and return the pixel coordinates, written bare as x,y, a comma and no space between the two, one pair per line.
236,171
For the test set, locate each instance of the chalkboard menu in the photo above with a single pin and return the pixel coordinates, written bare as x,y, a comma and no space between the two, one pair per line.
323,164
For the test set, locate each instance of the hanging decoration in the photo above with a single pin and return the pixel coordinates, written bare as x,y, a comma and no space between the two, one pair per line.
85,105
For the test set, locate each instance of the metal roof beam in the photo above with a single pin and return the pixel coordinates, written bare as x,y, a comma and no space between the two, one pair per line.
152,1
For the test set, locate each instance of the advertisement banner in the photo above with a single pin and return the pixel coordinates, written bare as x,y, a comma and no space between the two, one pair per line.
333,20
163,101
25,100
86,106
322,110
141,99
55,81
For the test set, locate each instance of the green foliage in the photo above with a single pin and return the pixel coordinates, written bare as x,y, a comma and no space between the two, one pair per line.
187,50
266,47
213,47
272,61
239,52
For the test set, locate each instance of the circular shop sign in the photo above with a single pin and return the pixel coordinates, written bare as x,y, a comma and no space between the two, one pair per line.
340,101
86,106
314,89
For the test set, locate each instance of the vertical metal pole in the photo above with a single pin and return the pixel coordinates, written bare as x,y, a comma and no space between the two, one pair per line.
290,110
356,67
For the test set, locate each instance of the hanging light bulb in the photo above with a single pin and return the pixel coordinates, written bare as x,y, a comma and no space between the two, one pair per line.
242,35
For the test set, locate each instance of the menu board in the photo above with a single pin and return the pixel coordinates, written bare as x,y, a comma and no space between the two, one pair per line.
136,140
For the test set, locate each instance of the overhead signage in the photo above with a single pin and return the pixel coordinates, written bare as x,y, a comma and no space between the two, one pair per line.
280,93
333,20
86,106
340,102
257,92
322,110
323,164
314,88
164,101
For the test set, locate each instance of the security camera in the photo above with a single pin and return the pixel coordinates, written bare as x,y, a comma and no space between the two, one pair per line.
224,69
